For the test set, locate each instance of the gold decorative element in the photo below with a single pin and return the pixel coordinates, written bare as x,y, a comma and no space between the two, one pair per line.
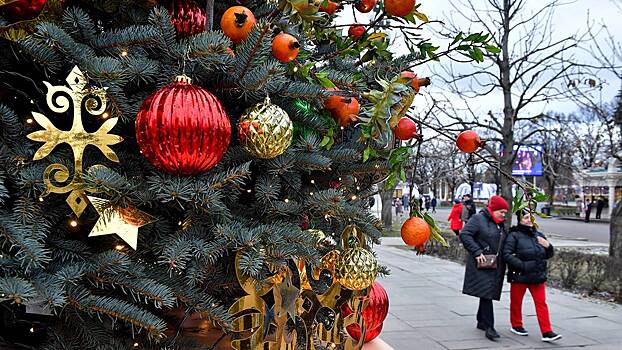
77,138
306,308
124,222
356,268
265,130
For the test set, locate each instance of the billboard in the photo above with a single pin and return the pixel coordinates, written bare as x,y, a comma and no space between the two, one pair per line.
528,160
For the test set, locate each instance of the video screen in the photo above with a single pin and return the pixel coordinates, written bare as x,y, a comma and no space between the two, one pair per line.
528,160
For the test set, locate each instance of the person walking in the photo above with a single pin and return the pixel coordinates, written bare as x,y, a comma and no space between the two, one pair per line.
600,204
455,223
399,208
482,237
588,209
406,202
433,203
525,251
579,206
468,208
427,204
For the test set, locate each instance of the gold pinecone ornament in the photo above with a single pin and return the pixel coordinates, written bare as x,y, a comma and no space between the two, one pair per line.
356,268
265,130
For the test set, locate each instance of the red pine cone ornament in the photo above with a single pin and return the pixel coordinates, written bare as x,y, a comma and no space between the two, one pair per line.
405,130
21,10
182,128
468,141
374,314
285,47
187,17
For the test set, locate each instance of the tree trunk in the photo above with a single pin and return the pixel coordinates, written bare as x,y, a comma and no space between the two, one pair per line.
386,197
615,232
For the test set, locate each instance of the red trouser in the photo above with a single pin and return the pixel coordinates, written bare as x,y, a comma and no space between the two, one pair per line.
538,293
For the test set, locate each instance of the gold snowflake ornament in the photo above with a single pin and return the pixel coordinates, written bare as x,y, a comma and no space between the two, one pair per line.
55,175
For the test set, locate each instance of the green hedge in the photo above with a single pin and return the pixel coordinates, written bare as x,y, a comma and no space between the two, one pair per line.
569,269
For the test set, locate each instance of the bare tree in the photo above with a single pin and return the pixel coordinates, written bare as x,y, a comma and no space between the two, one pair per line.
532,66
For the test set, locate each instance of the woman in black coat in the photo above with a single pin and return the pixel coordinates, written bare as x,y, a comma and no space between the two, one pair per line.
483,235
526,250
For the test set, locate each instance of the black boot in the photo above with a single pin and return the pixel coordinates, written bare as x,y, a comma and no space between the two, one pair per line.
492,334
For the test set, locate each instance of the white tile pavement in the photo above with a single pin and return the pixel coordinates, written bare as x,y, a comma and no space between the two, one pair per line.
428,311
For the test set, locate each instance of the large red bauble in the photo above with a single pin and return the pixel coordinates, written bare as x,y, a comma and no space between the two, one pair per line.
183,129
374,314
405,130
415,232
22,9
187,17
468,141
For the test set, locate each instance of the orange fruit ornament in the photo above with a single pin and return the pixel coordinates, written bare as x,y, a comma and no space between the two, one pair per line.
285,47
365,6
468,141
399,8
417,82
237,22
405,130
415,232
344,110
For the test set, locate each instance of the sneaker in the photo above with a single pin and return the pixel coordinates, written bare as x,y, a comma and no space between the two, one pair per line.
492,334
551,336
519,331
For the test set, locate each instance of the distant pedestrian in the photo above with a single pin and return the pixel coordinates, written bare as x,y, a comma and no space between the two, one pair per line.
406,202
433,204
399,208
468,208
455,223
420,203
588,209
525,251
579,206
482,237
600,204
427,204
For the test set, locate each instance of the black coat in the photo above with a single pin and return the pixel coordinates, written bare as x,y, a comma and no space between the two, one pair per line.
525,257
482,236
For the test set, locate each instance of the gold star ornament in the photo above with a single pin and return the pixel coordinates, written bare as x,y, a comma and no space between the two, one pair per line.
123,222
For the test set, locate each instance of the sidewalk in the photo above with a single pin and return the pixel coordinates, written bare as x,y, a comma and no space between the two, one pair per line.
428,311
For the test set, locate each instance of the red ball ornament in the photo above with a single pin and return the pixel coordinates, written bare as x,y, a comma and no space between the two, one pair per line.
356,31
405,130
374,314
468,141
187,17
20,10
182,128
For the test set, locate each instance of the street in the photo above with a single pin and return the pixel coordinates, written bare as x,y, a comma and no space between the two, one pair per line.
558,228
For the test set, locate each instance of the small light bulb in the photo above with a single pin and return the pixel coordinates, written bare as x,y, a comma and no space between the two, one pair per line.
29,121
32,329
105,115
31,101
179,223
249,191
339,179
295,69
135,345
40,199
342,128
311,193
119,247
326,216
358,188
354,197
312,181
73,223
286,200
124,53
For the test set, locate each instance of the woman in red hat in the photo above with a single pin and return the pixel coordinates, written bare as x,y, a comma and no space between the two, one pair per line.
482,237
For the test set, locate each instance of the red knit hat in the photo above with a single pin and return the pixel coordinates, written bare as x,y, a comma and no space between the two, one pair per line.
498,203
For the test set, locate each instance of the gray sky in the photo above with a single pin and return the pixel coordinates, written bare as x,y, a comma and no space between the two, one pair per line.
569,19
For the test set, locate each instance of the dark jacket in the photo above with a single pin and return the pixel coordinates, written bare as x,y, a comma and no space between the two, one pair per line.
525,257
468,210
482,236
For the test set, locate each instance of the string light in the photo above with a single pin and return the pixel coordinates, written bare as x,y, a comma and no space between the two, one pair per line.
119,247
40,199
29,121
312,181
179,223
286,200
342,128
33,102
249,191
354,197
73,223
124,53
32,329
311,193
135,345
105,115
358,188
295,69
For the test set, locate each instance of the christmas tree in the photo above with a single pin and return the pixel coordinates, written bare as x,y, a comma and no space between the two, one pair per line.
178,174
